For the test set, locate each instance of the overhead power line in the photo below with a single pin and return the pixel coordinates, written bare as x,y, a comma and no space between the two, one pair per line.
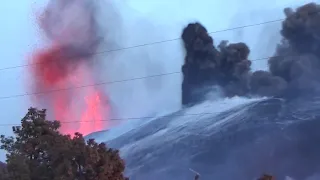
122,119
104,83
84,86
126,80
153,43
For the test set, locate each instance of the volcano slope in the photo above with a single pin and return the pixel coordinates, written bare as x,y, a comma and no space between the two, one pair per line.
236,138
243,141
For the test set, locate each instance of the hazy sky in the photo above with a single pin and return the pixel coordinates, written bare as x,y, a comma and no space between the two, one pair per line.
142,21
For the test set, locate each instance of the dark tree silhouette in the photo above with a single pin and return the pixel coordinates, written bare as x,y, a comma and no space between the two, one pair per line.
39,152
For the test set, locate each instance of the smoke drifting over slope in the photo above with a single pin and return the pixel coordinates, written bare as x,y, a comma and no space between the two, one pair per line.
74,35
293,68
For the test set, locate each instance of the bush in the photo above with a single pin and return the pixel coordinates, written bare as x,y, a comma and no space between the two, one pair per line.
39,152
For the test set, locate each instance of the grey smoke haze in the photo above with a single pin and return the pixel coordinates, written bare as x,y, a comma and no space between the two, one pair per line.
70,43
128,64
293,69
74,33
146,22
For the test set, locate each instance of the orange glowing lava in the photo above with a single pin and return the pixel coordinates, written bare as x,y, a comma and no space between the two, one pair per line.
62,68
92,113
79,109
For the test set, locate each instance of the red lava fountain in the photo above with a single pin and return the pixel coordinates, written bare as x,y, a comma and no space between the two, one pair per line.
63,69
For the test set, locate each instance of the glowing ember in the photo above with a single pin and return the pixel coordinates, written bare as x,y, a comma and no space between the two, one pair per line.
64,65
92,114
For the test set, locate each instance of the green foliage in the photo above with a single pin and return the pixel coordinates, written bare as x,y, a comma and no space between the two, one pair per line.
39,152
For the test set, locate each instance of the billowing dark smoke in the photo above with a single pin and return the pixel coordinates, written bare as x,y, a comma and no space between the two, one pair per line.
293,69
73,33
206,65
